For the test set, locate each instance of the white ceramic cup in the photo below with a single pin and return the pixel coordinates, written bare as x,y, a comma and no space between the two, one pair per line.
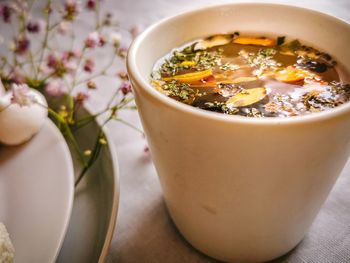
241,189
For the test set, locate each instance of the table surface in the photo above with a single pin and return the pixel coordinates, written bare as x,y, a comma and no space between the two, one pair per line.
144,230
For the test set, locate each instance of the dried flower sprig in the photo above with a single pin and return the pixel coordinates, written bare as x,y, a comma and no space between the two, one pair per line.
65,73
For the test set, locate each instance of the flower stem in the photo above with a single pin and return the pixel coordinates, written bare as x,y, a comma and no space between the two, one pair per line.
44,45
98,74
68,134
129,125
95,153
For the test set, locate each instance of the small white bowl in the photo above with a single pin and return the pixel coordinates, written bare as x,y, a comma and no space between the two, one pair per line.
242,189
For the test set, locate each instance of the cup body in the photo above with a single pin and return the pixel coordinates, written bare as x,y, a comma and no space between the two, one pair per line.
241,189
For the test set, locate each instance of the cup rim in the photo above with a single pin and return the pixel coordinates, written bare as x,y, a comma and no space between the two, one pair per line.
133,70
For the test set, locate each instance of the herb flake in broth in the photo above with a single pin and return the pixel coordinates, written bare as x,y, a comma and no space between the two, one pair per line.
251,76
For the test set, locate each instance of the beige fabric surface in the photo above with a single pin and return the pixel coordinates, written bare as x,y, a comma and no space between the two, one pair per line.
144,231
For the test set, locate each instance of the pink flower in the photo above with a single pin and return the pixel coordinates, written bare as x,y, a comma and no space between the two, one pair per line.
64,27
123,75
70,66
48,7
102,41
91,84
71,8
135,31
147,153
22,44
89,65
68,55
81,97
44,69
115,39
94,40
52,61
6,12
77,53
91,4
107,21
19,7
122,52
125,88
62,65
35,26
21,95
16,76
55,88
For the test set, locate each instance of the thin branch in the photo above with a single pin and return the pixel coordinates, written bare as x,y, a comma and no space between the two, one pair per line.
44,45
95,153
68,134
98,74
129,125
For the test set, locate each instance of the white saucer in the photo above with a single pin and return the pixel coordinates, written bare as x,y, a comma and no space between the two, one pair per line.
36,195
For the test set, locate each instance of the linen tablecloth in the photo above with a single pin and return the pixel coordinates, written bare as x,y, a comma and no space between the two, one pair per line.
144,231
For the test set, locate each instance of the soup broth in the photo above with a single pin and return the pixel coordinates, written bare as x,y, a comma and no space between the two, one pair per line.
251,76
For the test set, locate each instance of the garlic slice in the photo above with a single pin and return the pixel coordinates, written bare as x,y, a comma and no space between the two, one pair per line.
213,41
265,42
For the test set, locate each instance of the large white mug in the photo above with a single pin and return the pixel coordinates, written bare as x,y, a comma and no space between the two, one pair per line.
242,189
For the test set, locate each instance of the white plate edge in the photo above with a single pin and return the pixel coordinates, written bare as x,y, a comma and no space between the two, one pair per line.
116,191
69,160
115,205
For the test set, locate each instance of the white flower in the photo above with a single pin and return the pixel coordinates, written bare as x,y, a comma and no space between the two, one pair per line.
93,40
55,88
64,27
71,66
135,31
115,38
21,95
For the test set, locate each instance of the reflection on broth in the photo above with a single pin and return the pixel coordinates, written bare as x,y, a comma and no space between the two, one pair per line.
248,76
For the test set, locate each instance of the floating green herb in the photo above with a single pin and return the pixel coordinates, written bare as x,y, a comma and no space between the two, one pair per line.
201,60
252,76
180,91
